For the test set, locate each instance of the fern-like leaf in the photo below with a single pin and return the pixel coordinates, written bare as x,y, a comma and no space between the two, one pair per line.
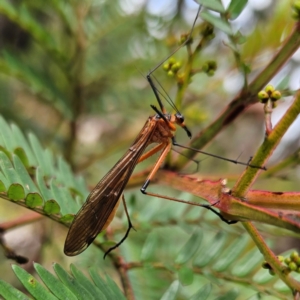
64,286
28,176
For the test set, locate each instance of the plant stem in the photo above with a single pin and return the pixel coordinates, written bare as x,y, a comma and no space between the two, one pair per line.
246,98
266,149
77,90
271,258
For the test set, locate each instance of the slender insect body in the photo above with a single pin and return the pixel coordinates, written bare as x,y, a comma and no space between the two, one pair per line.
101,205
163,132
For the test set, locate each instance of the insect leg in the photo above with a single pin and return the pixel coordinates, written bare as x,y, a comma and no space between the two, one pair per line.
220,157
159,162
130,226
207,206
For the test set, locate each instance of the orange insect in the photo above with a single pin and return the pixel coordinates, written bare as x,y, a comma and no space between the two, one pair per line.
100,207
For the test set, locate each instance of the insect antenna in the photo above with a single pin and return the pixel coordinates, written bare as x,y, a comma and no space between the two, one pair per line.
179,47
165,95
149,75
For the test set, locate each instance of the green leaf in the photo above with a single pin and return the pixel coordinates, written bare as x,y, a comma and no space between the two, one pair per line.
25,179
94,290
255,297
81,187
235,8
7,137
45,192
114,288
247,264
203,293
207,255
68,218
216,21
33,200
7,169
215,5
2,187
54,285
2,143
23,144
64,199
72,284
49,163
32,285
101,284
65,174
22,156
171,292
282,287
190,248
8,292
17,181
263,277
149,246
186,275
66,287
3,183
231,253
16,192
231,295
5,151
39,153
51,207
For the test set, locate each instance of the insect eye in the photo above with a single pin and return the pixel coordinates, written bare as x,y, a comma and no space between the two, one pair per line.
180,118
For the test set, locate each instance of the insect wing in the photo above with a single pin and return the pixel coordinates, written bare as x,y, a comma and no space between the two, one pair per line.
93,215
100,204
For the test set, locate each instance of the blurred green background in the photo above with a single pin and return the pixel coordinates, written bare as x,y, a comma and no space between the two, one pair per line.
73,73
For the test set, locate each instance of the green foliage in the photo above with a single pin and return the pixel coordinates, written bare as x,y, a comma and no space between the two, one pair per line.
78,67
240,262
201,256
64,286
37,183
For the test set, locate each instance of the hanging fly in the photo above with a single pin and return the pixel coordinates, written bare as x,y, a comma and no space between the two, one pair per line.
101,205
